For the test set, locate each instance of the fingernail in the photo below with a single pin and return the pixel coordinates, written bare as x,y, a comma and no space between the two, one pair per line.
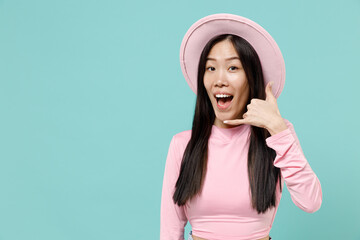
225,121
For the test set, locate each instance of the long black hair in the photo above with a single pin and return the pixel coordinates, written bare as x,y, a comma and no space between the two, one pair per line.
263,175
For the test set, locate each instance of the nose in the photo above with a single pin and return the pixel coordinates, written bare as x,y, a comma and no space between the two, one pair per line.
221,79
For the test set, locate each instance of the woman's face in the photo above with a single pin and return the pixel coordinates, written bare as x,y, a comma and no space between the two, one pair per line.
224,75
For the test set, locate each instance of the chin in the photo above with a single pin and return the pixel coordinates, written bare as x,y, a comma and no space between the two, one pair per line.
224,116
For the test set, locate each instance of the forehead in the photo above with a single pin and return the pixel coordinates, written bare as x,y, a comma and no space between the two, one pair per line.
223,50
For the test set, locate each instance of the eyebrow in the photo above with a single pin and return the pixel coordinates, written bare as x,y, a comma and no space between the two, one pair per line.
230,58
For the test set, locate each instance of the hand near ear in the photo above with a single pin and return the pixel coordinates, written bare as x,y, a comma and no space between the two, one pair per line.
263,113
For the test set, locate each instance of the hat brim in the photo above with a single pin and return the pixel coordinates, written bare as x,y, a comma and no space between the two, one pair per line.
203,30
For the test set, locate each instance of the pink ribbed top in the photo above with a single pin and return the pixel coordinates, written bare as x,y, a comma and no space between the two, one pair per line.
223,209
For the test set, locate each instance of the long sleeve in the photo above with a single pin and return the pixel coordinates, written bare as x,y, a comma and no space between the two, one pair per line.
172,216
301,181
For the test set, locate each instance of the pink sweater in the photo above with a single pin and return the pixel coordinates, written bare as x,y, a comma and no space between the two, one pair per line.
223,210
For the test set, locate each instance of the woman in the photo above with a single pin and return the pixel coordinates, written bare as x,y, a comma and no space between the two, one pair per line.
225,175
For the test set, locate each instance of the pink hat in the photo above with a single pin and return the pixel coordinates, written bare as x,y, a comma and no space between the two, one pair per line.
203,30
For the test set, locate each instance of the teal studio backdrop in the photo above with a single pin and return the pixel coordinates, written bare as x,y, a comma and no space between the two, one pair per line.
91,93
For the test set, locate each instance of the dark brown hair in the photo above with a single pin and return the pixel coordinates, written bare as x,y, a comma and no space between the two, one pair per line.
263,175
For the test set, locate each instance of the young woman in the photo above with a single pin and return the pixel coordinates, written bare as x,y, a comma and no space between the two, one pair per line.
225,175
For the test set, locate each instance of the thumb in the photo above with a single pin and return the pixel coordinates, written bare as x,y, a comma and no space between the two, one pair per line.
268,91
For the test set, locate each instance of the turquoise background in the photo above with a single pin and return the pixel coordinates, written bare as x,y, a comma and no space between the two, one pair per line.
91,93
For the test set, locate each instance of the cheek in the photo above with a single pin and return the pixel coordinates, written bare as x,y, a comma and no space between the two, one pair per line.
243,93
207,83
244,86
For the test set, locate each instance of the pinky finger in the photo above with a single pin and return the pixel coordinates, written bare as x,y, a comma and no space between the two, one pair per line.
235,122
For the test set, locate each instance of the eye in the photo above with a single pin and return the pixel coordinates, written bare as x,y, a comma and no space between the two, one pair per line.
209,67
234,67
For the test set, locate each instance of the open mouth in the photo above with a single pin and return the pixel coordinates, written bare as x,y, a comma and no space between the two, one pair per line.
223,100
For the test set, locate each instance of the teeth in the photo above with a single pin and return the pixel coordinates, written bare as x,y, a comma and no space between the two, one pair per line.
222,95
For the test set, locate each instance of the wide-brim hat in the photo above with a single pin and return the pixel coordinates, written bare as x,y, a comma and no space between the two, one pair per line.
198,35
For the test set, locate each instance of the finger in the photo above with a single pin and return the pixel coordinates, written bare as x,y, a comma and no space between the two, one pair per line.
235,121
